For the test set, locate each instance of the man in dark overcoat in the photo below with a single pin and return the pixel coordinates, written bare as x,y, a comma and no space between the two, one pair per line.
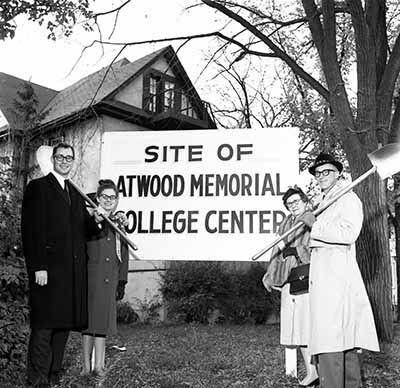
55,223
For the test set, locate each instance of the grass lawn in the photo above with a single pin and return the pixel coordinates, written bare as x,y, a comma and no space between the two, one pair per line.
196,356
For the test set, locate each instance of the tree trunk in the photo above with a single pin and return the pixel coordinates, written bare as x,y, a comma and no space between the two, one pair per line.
373,253
396,224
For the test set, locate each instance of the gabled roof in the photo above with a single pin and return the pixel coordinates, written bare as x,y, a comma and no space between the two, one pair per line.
9,86
94,91
95,87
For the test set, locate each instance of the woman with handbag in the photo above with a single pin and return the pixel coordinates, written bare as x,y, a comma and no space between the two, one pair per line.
289,254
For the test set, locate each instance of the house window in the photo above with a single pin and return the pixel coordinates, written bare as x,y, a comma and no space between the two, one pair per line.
163,93
169,95
153,89
159,92
186,106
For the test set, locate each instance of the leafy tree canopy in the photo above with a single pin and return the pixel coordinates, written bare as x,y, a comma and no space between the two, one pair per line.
55,15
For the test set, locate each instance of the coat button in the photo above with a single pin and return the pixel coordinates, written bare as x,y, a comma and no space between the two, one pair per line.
106,280
107,259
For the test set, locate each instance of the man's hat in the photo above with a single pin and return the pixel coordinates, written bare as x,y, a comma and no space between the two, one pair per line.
322,159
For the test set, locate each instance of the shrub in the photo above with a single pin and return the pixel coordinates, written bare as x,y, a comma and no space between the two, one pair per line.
194,291
148,309
125,313
13,280
13,318
249,301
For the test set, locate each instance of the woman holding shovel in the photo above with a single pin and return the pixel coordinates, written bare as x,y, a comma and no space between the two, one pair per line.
107,276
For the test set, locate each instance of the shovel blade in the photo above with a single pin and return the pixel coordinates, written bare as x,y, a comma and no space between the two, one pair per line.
386,160
43,157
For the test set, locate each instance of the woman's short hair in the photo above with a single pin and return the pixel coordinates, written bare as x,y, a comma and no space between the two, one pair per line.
292,191
63,145
106,184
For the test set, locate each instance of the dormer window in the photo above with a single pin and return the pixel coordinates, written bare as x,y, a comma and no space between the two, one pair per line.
186,106
164,93
159,92
169,95
153,91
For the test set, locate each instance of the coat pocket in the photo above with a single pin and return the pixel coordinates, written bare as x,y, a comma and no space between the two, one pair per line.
50,249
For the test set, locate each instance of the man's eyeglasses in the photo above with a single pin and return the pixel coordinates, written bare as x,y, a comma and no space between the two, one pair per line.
106,197
67,158
326,172
293,203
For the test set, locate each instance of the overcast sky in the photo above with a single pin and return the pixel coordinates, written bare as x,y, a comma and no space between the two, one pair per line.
30,55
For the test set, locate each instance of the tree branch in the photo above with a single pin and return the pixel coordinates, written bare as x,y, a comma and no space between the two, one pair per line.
375,15
314,22
117,9
275,49
386,90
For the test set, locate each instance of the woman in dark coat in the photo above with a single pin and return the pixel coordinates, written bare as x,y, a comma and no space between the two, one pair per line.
107,276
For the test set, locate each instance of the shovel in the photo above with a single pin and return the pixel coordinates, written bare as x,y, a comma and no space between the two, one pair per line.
385,161
43,157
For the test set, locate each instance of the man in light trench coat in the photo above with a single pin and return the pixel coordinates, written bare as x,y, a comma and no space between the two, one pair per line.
341,316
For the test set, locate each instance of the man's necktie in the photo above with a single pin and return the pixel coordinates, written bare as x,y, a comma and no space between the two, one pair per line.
66,190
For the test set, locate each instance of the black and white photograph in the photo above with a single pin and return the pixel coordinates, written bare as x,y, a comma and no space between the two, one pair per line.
199,193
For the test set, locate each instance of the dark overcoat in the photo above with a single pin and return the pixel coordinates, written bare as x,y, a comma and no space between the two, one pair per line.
54,231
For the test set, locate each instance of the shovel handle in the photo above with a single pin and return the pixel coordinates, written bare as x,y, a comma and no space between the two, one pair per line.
107,219
317,211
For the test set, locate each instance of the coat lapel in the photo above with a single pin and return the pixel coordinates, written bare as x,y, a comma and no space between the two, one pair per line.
54,182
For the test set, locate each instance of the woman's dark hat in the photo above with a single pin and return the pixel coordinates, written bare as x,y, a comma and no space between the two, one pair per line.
322,159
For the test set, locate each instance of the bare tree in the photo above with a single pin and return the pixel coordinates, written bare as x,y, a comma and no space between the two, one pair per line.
364,122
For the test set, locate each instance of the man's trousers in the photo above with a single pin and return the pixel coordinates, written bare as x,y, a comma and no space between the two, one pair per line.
45,354
339,369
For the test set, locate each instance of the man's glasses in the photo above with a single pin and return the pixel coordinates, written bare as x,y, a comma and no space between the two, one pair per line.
106,197
67,158
293,203
323,173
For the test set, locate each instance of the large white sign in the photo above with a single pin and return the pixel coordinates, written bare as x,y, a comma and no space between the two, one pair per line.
202,194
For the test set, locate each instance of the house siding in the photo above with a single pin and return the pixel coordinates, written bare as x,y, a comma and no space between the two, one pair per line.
163,66
114,125
132,94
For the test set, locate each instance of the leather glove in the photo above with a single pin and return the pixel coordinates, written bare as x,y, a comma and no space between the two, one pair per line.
120,290
289,251
307,218
120,219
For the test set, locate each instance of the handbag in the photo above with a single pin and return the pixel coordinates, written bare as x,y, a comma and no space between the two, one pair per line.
278,272
298,279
